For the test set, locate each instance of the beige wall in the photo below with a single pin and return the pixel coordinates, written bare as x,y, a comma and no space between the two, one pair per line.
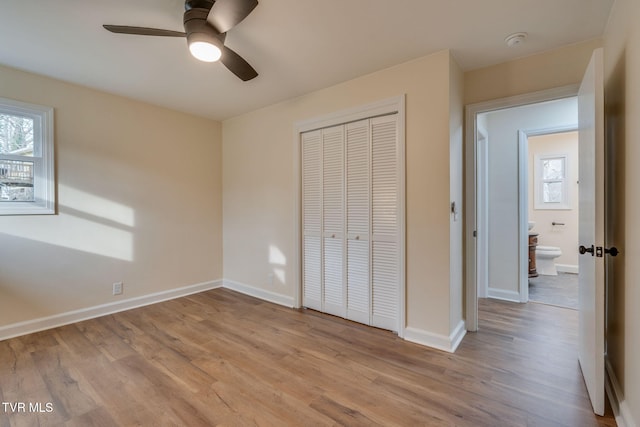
563,236
622,109
138,198
555,68
258,184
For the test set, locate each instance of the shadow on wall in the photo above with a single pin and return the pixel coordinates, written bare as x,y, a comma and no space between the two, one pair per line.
86,223
24,296
44,259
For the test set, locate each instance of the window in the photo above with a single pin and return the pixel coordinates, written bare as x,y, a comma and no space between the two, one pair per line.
551,182
26,159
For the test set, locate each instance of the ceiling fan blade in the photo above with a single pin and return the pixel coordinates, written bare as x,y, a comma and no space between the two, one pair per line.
143,31
237,65
226,14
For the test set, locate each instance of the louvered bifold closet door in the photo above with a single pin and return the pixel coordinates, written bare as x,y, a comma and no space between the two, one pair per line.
358,151
333,220
312,219
385,236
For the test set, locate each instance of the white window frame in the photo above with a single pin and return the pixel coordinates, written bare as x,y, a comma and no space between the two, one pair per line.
44,202
539,182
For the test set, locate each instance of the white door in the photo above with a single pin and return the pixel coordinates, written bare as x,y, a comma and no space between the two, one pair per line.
591,231
333,220
351,221
358,152
385,221
311,219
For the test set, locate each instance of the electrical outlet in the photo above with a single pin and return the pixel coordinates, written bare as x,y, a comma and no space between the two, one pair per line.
117,288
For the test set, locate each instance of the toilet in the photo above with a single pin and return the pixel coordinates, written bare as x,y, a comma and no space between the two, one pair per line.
545,260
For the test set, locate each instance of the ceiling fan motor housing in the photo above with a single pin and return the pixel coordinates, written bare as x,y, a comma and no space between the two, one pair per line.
198,4
198,29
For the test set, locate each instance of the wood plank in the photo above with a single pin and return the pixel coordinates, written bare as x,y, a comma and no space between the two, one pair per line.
223,358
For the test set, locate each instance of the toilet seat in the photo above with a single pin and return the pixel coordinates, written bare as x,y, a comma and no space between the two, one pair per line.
545,260
548,250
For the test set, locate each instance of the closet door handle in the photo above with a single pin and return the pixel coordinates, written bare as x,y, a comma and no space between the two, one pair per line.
357,237
333,236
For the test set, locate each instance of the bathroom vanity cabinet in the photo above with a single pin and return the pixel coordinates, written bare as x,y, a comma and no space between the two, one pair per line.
533,242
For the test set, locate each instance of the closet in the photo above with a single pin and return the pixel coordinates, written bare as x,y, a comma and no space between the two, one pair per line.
351,221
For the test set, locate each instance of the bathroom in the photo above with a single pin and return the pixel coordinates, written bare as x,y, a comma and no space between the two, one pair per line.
527,171
553,218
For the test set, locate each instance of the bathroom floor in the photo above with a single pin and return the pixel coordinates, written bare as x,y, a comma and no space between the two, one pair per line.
560,290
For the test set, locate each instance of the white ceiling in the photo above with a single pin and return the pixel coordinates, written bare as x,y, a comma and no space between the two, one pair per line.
297,46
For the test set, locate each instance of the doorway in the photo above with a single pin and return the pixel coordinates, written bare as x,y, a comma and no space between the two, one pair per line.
553,217
592,280
527,158
497,235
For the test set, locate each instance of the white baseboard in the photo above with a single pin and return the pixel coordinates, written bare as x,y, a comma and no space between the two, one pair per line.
495,293
567,268
616,398
262,294
40,324
456,336
441,342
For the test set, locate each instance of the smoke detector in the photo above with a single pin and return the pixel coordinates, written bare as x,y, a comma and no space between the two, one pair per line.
515,39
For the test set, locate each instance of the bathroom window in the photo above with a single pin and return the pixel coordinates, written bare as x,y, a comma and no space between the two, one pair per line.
550,176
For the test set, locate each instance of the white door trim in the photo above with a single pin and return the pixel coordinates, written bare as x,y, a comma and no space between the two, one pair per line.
523,214
471,131
482,177
368,111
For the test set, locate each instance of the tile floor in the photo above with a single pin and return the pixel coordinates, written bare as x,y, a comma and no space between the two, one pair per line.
560,290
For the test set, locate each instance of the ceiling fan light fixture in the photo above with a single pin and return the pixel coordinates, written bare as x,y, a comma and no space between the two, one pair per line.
204,46
205,51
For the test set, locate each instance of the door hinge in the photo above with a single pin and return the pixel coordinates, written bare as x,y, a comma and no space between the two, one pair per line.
475,233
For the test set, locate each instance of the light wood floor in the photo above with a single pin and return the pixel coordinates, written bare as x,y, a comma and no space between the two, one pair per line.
221,358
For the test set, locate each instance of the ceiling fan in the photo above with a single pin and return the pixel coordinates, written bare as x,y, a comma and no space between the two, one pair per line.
206,23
